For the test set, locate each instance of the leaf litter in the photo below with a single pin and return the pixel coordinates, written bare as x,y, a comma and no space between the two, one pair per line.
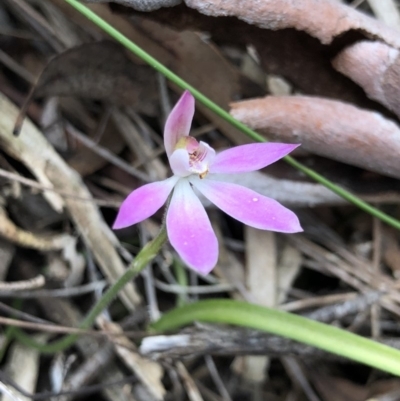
325,77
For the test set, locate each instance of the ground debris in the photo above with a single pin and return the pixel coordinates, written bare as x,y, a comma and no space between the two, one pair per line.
90,117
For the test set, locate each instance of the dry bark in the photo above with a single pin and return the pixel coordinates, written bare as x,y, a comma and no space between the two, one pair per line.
328,128
324,20
374,66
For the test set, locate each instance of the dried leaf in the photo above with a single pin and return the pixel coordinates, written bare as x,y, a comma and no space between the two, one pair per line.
27,239
374,66
300,58
85,160
79,156
7,252
186,53
328,128
142,5
324,20
384,390
192,390
199,63
288,269
386,11
261,265
38,155
149,372
391,250
229,268
289,192
100,71
338,389
23,368
261,281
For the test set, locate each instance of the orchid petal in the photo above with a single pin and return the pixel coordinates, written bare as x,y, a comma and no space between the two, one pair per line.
250,157
179,162
248,206
178,122
144,202
189,229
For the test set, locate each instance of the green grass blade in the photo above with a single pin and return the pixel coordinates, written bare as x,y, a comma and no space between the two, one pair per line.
323,336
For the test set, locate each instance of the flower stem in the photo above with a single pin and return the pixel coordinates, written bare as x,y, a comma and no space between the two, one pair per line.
114,33
323,336
149,251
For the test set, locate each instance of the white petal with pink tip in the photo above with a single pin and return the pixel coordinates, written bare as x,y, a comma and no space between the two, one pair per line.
189,229
248,206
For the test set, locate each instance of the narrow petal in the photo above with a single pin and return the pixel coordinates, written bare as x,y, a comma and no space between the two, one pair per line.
248,206
190,231
178,122
144,202
251,157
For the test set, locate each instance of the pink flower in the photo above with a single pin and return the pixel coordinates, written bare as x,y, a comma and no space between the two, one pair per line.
195,164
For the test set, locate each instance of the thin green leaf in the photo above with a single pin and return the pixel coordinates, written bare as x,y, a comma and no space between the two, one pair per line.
323,336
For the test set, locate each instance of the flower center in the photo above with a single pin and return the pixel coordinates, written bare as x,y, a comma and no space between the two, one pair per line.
200,155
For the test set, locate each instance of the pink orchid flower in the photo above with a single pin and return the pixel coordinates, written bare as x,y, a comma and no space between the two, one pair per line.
196,165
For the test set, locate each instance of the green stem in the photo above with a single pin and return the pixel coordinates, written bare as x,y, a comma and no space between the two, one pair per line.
323,336
114,33
144,257
182,280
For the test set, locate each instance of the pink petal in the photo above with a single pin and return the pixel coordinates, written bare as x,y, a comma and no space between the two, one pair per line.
190,231
248,206
144,202
178,122
251,157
